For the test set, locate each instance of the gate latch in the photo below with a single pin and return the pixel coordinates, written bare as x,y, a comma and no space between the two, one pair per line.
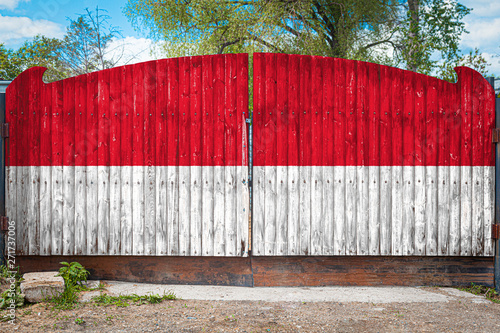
4,223
495,135
495,231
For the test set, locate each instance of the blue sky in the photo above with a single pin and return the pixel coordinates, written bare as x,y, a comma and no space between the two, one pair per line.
20,20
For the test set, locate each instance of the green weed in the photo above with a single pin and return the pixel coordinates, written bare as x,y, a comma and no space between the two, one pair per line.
124,300
488,293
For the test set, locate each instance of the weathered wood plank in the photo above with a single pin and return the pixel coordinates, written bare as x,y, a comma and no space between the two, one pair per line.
317,141
328,67
150,158
57,169
420,165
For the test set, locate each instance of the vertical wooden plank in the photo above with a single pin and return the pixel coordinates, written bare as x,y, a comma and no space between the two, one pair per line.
409,164
208,133
374,198
12,117
362,204
455,137
282,115
23,177
115,116
149,158
92,160
328,156
397,160
465,163
57,170
230,155
219,157
161,151
305,148
103,169
126,152
80,165
293,155
339,159
351,193
489,171
317,151
431,167
386,164
173,156
242,194
195,156
258,173
35,87
478,171
270,143
184,156
45,172
419,162
138,203
68,169
444,201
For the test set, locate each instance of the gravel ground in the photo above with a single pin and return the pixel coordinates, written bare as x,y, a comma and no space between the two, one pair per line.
460,312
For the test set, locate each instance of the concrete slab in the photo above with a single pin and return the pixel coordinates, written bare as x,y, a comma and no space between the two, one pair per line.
38,286
281,294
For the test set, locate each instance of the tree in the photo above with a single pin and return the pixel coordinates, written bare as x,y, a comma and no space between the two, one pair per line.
86,46
46,52
343,28
474,60
10,66
427,28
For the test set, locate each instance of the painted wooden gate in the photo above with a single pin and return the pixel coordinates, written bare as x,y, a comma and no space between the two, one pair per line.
353,158
145,159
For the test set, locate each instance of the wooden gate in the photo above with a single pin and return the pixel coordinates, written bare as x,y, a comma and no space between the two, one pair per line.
354,158
145,159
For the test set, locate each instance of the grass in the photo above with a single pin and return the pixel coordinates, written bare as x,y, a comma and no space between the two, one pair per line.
126,300
487,292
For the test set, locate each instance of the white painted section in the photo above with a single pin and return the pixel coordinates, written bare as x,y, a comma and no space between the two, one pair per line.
129,210
374,210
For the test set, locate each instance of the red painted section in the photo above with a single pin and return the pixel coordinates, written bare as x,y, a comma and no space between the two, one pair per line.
185,111
322,111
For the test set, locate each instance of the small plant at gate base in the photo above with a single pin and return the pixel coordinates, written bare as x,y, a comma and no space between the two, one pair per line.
79,321
73,273
12,295
488,293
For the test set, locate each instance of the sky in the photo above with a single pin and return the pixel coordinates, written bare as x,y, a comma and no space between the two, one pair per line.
20,20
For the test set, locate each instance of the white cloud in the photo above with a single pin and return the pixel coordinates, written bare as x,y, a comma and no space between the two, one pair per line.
131,50
484,33
484,8
10,4
15,29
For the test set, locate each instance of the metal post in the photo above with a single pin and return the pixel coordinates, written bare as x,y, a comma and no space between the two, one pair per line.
491,80
2,178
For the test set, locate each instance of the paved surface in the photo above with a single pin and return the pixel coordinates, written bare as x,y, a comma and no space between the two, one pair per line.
293,294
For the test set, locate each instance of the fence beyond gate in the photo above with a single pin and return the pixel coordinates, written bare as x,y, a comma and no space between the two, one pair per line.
145,159
354,158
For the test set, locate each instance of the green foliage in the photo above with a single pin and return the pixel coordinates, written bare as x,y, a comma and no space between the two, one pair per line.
487,292
122,300
79,321
429,27
317,27
12,295
474,60
74,274
10,65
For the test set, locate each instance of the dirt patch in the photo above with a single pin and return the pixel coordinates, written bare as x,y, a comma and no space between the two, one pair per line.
460,315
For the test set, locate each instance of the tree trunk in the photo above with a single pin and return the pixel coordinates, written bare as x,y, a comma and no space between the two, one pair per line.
413,35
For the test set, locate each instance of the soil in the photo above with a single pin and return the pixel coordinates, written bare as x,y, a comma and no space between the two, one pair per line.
458,315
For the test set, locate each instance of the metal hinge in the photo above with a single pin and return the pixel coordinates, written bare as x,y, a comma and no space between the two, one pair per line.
495,231
4,223
4,130
495,135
